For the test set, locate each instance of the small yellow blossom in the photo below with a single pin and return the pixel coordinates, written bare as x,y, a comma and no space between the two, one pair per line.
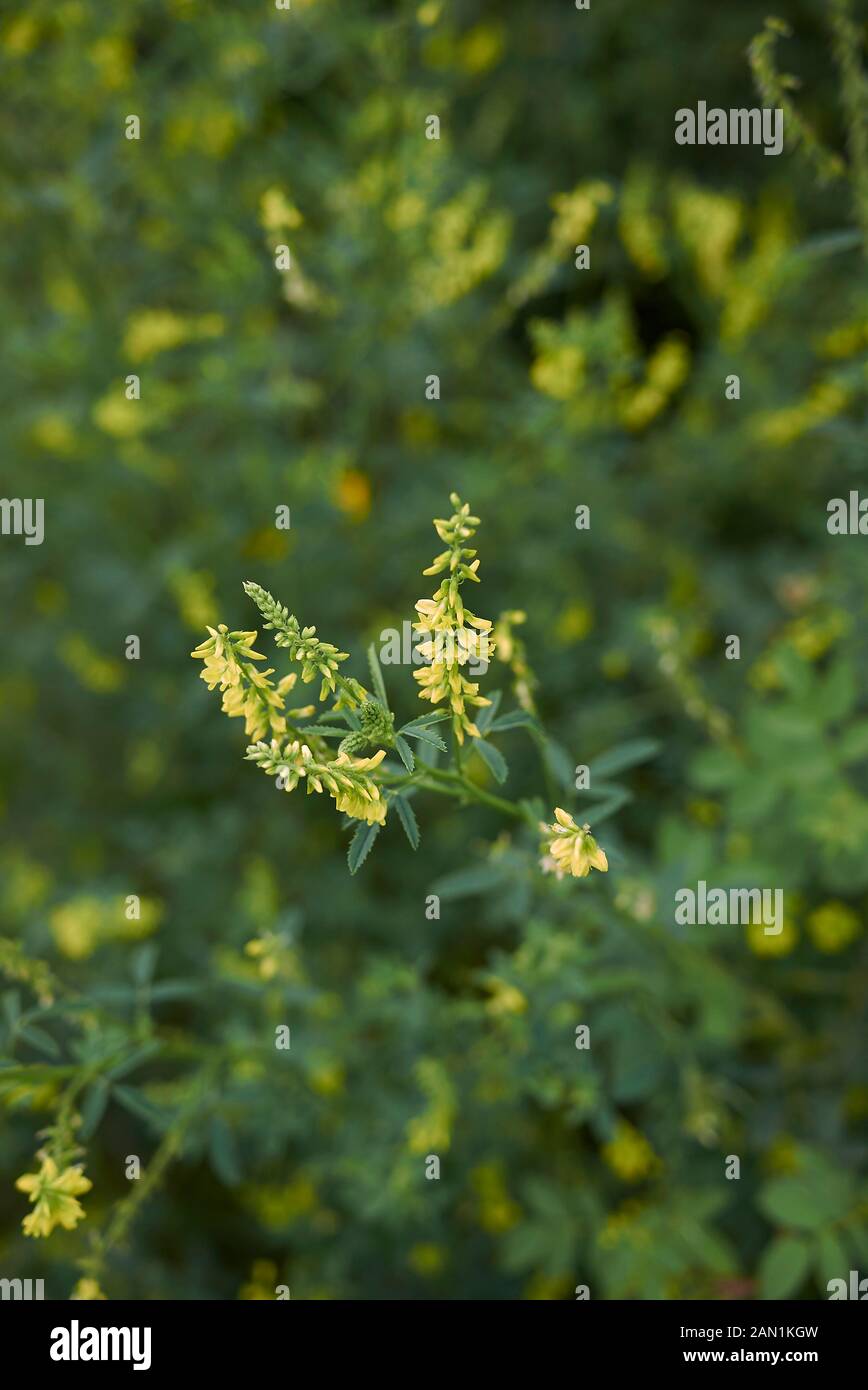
247,692
833,927
570,848
629,1154
454,635
54,1195
427,1258
87,1290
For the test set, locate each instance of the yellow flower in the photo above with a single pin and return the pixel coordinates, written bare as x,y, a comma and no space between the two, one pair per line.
833,927
54,1195
247,692
629,1154
455,636
87,1290
570,848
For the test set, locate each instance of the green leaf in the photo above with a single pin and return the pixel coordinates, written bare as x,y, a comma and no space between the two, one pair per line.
558,760
783,1266
625,755
599,811
405,752
324,730
42,1041
493,759
138,1105
377,677
134,1059
223,1152
467,883
838,691
487,712
423,736
853,744
514,719
361,844
830,1258
434,716
806,1202
407,817
93,1107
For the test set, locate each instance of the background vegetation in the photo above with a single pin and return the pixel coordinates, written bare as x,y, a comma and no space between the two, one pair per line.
560,387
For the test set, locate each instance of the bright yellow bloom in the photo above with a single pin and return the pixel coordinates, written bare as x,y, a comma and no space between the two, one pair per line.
455,636
229,658
344,778
570,848
54,1195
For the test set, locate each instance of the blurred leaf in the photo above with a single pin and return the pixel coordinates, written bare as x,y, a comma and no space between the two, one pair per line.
783,1266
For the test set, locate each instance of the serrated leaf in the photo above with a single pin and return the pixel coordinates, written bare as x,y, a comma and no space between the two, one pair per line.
361,844
434,716
407,817
493,759
324,730
423,736
405,752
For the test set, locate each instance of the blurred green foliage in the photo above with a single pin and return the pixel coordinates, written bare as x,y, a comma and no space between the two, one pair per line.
560,388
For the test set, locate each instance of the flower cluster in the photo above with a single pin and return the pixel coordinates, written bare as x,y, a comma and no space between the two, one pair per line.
344,778
570,848
54,1193
455,635
247,691
318,659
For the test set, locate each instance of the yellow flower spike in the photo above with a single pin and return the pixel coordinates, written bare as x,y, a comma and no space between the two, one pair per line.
570,849
454,635
54,1195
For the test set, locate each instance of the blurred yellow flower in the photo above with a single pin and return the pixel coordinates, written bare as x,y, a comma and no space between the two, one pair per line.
87,1290
763,944
833,927
427,1258
352,493
54,1195
629,1154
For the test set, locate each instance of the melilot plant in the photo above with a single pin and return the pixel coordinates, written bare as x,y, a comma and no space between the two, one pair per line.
357,774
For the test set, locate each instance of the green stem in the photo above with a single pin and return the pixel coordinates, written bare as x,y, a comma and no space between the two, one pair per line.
469,789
